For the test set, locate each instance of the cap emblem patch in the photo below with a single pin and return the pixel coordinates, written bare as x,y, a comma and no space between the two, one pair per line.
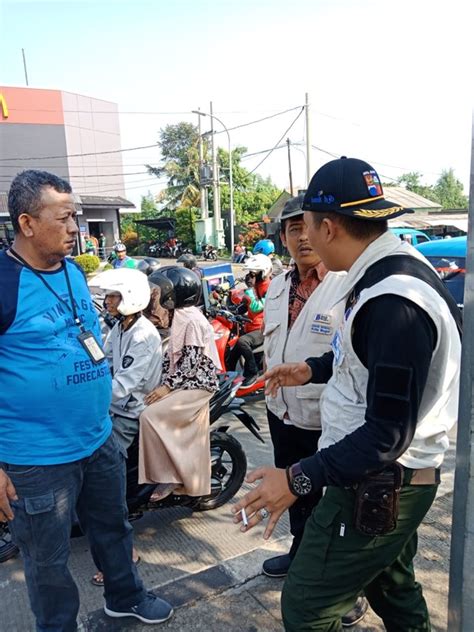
372,181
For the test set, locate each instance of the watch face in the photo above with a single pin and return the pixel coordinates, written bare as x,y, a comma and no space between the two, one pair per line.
302,485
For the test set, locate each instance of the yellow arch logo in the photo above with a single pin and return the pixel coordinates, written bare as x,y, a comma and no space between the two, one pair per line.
3,106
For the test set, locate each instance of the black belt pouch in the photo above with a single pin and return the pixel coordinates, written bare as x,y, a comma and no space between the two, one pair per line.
377,501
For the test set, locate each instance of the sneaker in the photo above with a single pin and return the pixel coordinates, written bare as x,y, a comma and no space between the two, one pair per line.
277,566
248,381
7,548
356,614
151,610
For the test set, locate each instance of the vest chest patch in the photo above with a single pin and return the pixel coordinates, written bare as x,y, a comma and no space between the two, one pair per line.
319,328
322,318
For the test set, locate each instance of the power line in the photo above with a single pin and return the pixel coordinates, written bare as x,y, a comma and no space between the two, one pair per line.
279,140
116,151
265,118
92,153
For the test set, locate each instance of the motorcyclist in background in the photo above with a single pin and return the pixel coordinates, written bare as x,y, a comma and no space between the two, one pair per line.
122,260
267,247
189,261
258,270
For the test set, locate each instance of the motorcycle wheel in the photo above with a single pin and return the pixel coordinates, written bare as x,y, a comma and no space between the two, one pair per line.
229,454
213,256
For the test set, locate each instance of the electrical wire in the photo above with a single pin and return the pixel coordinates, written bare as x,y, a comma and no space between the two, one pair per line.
92,153
279,140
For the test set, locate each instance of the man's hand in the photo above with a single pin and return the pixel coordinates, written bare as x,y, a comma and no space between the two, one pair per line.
157,394
273,495
7,493
290,374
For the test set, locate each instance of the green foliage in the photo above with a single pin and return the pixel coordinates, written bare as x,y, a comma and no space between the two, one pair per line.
89,263
412,182
130,239
179,145
448,190
185,225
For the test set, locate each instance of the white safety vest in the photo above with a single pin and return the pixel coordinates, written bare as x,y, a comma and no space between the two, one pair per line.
135,358
310,335
343,404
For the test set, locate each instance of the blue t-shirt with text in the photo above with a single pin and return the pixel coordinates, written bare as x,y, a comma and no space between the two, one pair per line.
54,400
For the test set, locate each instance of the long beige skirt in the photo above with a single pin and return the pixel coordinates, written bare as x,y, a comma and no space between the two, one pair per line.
175,444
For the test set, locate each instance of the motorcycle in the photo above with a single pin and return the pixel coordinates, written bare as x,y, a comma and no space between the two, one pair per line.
209,253
228,327
228,460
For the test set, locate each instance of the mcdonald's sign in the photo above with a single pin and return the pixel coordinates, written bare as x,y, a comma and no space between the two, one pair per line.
3,106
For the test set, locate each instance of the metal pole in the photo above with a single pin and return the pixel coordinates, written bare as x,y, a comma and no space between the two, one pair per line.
461,575
202,190
215,171
308,141
24,65
289,166
215,185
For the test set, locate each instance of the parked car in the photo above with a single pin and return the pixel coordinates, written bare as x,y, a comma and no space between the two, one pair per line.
411,235
448,257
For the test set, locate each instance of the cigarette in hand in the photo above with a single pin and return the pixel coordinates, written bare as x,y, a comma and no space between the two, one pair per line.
244,517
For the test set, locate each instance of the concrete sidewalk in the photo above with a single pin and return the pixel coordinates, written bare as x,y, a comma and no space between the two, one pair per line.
210,571
234,596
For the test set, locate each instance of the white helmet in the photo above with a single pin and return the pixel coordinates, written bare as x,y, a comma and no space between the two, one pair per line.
259,263
131,284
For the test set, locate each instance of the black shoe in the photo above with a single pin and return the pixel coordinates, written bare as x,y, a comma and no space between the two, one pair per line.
356,614
7,548
249,381
277,566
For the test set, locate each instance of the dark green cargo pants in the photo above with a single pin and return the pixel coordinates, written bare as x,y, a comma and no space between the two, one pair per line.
335,563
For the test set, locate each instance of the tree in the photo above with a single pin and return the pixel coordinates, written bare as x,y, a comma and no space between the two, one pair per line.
179,145
253,195
412,182
450,191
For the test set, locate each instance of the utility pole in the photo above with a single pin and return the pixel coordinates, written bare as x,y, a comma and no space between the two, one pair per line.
202,189
461,574
289,166
308,141
24,65
215,187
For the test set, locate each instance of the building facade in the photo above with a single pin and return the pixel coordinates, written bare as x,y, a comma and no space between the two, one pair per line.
74,137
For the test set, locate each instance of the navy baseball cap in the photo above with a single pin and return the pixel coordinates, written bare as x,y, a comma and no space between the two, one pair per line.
351,187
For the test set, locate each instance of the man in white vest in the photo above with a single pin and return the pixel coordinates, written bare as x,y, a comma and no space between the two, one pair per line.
390,401
300,320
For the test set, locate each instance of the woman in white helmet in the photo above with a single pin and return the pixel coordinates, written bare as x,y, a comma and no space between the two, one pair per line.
133,348
258,270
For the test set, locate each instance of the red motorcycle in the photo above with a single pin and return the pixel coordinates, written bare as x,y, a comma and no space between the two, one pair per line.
228,327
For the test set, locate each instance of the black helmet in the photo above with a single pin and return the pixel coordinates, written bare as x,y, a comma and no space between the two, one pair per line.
189,261
179,286
143,266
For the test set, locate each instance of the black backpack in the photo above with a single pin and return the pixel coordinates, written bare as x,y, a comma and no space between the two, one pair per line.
411,266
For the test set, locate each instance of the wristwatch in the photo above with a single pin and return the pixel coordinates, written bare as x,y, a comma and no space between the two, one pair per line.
298,482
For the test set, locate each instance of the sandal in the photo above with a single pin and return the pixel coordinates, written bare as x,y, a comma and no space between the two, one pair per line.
98,578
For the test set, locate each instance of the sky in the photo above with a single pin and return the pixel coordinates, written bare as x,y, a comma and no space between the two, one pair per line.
388,82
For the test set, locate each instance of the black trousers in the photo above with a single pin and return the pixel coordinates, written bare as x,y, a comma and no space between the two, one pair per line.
290,444
244,347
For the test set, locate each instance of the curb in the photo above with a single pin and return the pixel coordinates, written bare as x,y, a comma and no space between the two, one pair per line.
191,588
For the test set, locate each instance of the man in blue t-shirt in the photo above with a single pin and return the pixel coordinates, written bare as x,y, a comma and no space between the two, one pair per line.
57,453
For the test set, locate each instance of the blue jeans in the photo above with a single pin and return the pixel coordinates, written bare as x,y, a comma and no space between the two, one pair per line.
49,498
